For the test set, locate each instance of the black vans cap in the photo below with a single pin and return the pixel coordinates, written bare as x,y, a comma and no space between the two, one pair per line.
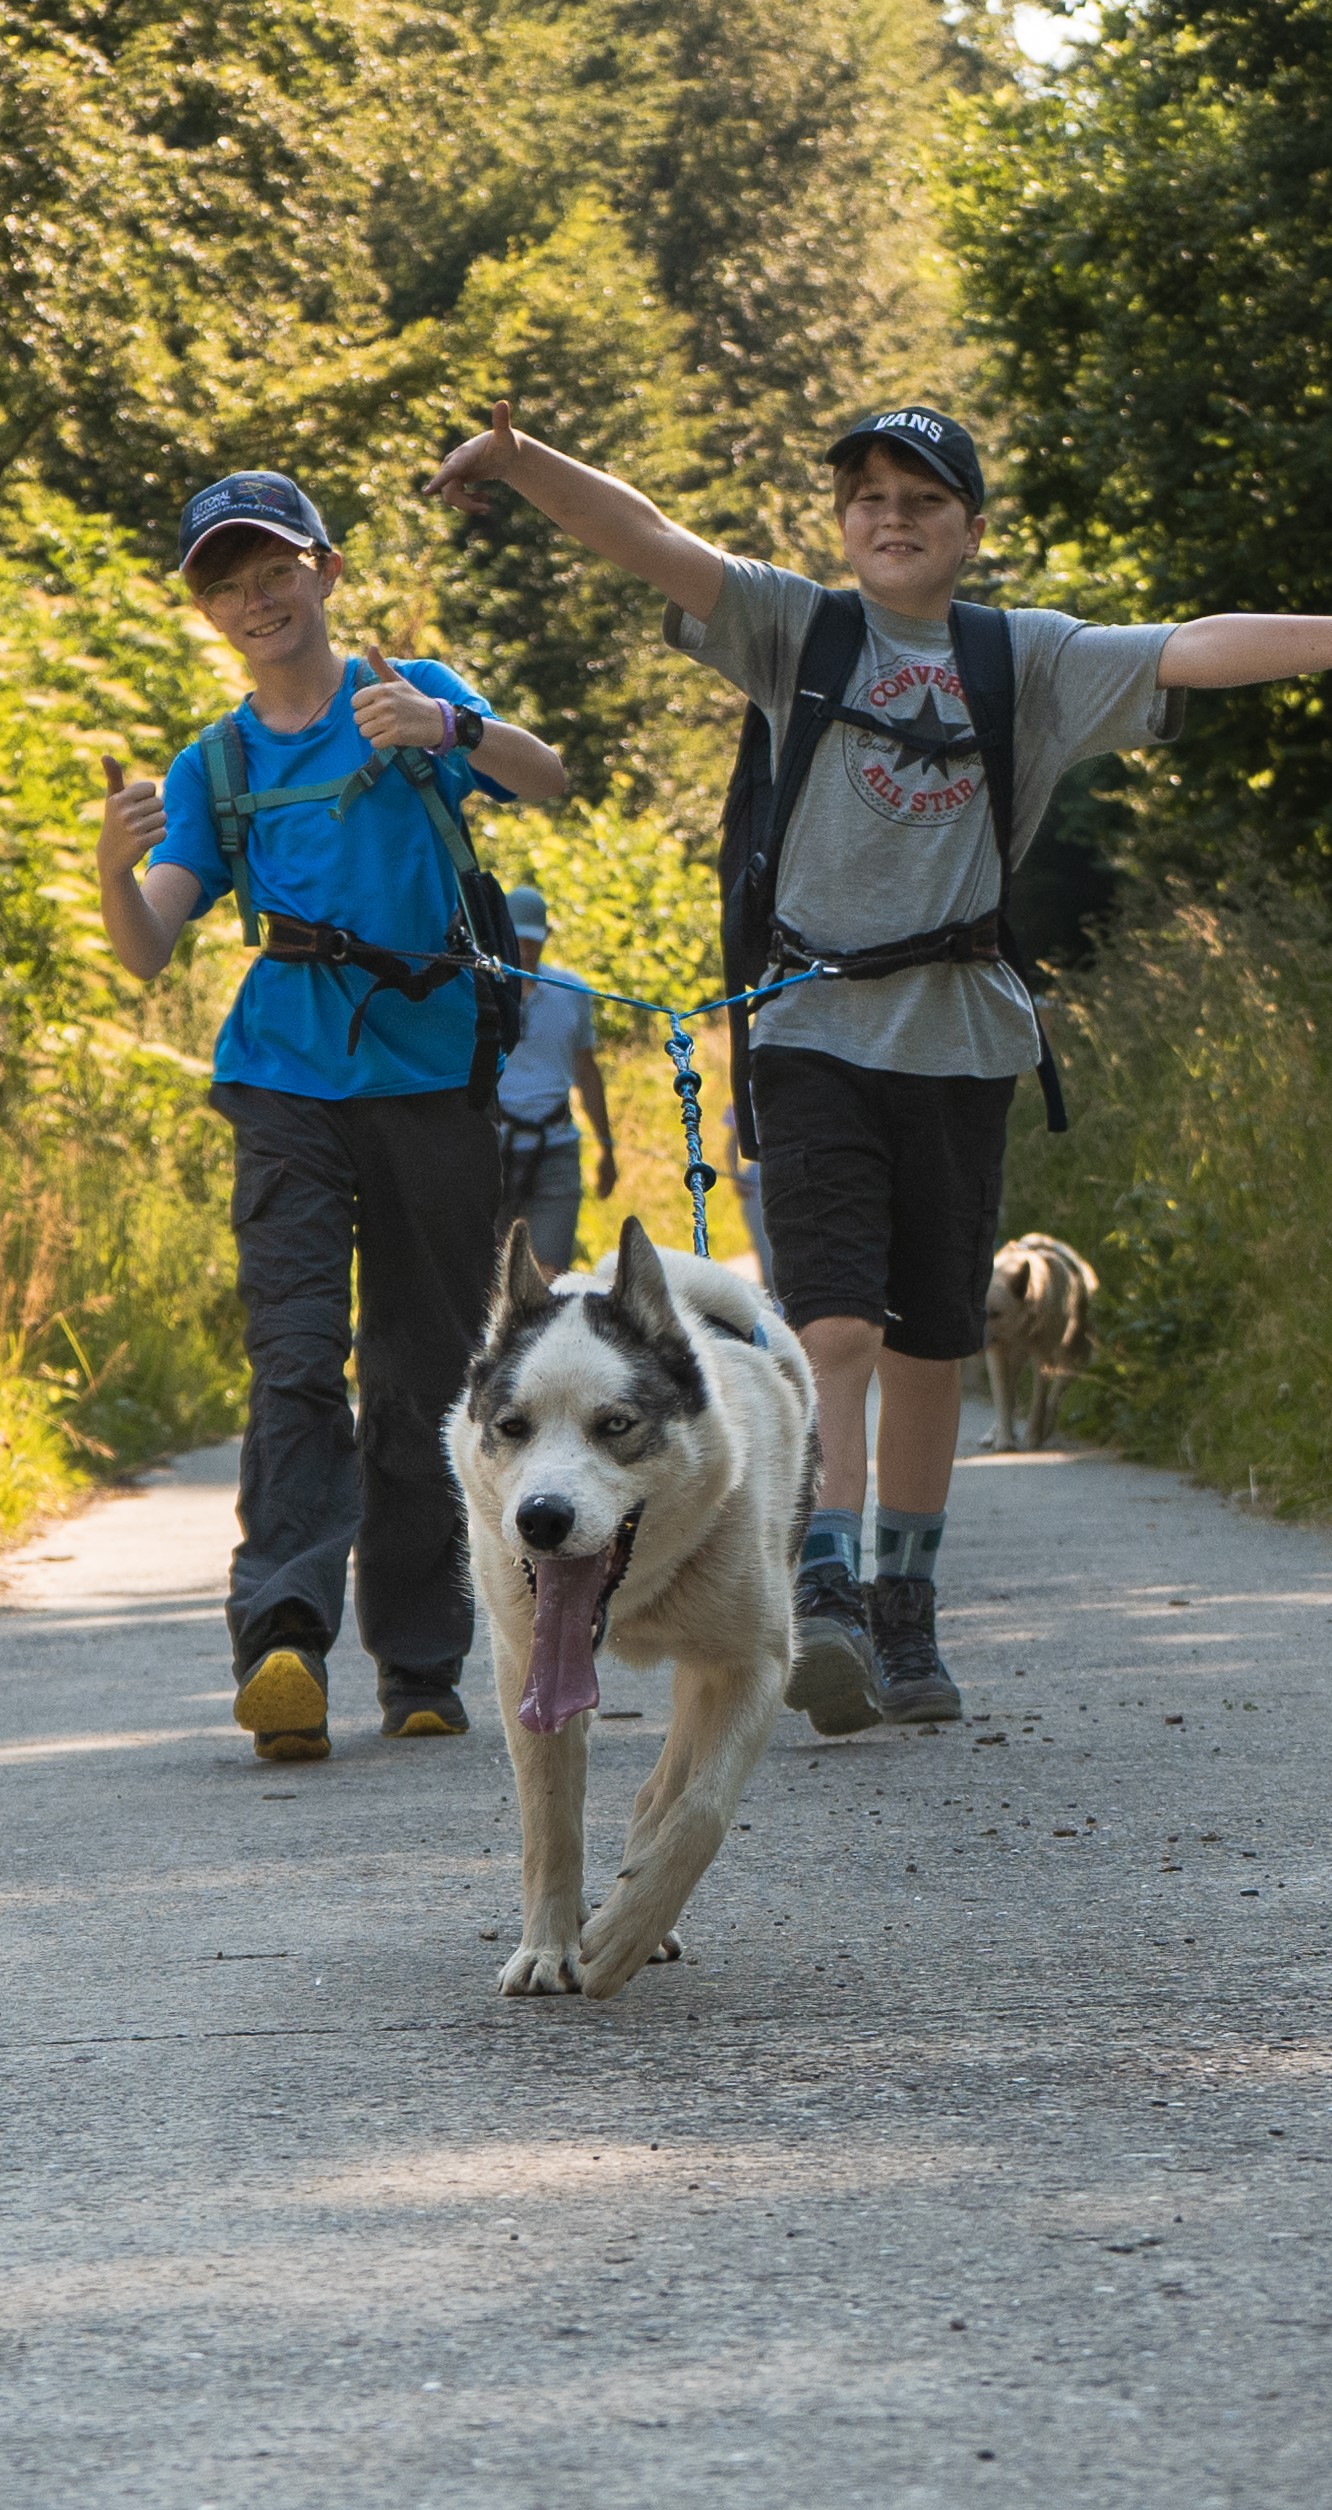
937,440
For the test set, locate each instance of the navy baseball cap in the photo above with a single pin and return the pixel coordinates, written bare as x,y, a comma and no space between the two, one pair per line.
939,441
265,498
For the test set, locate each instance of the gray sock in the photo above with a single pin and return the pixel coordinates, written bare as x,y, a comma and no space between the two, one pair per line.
834,1534
906,1544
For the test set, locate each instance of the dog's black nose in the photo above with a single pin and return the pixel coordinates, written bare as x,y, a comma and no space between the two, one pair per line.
546,1520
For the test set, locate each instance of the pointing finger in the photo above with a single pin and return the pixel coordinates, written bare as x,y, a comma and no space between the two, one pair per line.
115,775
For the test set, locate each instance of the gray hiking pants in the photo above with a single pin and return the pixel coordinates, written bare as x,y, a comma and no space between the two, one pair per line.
410,1186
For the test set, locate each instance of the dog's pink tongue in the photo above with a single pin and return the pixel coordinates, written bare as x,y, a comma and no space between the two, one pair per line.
561,1675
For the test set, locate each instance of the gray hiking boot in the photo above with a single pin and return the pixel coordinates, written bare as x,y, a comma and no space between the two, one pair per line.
915,1685
833,1677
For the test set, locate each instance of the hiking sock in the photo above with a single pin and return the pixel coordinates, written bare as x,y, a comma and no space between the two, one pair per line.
834,1534
906,1542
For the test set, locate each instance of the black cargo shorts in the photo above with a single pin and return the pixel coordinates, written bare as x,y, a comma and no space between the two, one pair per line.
881,1195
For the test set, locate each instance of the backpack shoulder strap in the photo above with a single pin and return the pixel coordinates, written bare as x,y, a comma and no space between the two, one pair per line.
983,651
418,766
223,754
833,639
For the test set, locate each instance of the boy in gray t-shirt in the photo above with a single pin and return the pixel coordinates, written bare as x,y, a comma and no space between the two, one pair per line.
881,1104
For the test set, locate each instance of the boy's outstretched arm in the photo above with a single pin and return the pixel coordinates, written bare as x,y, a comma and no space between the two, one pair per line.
143,919
604,513
1238,647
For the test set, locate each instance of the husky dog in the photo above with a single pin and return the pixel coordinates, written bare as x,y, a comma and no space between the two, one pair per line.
638,1454
1035,1315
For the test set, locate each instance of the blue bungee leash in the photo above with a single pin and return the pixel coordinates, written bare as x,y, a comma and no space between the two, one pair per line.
698,1175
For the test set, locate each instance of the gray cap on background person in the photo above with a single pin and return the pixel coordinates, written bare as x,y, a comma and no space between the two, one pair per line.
528,909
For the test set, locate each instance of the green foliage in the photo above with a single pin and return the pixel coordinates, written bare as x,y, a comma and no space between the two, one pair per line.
572,330
631,909
1146,258
94,655
1197,1180
321,234
118,1330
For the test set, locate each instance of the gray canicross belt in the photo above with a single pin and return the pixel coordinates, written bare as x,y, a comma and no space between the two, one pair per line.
523,1167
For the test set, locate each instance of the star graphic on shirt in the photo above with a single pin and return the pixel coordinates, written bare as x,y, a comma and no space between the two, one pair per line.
928,740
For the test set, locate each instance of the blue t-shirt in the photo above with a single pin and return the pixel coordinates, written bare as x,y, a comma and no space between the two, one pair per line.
381,873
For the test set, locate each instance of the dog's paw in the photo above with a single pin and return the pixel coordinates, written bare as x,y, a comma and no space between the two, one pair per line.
669,1949
614,1947
542,1970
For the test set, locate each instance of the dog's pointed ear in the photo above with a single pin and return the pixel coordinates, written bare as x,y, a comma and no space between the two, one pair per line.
521,1293
1020,1281
640,1295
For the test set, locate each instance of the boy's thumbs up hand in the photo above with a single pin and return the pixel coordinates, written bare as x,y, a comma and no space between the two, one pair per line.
393,714
133,820
488,456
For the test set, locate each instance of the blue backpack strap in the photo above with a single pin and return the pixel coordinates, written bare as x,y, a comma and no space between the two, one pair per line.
231,806
418,766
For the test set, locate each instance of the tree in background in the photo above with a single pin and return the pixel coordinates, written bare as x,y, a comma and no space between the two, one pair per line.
1146,257
324,236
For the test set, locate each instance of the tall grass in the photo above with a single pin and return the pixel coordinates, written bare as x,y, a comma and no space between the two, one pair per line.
1197,1178
119,1328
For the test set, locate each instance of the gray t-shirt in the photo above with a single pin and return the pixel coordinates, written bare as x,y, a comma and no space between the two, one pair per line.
540,1072
883,843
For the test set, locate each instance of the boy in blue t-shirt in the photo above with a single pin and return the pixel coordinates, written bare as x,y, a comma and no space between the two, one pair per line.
374,1150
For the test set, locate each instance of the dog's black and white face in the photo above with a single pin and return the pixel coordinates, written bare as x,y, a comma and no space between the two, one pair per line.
581,1409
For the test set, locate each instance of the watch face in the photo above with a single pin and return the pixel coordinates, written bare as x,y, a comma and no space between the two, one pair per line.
470,726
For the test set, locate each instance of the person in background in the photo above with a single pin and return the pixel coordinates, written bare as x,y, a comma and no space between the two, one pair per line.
538,1135
745,1177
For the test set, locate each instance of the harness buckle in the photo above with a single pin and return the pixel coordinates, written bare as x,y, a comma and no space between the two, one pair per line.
339,947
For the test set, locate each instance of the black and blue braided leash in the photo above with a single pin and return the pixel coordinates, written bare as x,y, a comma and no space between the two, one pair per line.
698,1175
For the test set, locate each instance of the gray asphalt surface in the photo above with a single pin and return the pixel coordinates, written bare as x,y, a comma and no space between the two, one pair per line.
979,2152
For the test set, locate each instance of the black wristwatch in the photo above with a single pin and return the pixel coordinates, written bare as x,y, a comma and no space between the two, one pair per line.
468,727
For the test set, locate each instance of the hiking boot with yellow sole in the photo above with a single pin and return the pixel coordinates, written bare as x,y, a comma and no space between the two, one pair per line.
416,1704
283,1703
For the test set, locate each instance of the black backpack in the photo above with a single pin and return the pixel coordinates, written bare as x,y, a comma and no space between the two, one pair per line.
759,804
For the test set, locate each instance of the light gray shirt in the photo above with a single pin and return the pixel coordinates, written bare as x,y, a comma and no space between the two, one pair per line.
883,843
540,1072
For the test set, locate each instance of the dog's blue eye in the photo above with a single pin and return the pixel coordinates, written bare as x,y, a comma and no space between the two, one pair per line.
615,1424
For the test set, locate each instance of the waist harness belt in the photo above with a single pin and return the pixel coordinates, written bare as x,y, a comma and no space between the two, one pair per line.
523,1167
480,928
956,945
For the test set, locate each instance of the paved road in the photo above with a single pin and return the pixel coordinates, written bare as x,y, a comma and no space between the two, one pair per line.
981,2152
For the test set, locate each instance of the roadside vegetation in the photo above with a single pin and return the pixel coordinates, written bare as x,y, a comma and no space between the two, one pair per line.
1196,1178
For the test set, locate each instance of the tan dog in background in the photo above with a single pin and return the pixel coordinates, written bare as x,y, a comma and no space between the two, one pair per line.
1036,1316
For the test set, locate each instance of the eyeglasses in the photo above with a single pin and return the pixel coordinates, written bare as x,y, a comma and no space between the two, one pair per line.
274,582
